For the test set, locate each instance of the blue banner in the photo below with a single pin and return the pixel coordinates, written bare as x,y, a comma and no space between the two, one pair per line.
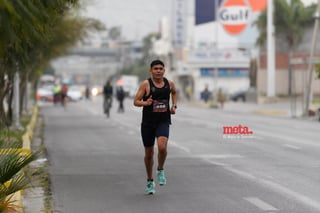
205,11
225,72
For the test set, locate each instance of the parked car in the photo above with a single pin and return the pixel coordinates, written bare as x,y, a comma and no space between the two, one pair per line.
75,93
45,93
240,95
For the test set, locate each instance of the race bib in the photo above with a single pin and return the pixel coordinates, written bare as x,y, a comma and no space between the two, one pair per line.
160,105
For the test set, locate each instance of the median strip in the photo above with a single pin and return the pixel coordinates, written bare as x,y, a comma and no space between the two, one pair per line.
270,112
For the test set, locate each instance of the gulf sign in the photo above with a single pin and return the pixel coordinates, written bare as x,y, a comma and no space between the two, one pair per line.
235,15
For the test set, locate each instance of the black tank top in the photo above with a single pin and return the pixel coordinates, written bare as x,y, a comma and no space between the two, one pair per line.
159,110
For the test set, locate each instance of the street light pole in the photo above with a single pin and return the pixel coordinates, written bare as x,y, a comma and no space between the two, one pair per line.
310,63
216,67
270,51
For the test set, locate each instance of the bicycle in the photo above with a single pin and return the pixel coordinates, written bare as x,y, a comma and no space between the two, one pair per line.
64,100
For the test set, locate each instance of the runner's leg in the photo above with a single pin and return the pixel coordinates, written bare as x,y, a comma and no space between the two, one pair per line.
162,151
148,161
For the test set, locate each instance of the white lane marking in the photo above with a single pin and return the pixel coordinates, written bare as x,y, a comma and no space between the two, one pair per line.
215,162
260,204
198,157
221,156
92,111
266,183
175,144
288,138
291,146
277,188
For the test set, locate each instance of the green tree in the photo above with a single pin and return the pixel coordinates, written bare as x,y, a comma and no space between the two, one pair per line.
114,33
147,46
141,68
290,19
31,34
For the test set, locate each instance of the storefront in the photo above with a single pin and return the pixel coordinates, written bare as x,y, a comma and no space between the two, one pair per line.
232,68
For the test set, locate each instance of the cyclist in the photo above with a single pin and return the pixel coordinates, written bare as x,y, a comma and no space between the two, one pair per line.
107,96
56,93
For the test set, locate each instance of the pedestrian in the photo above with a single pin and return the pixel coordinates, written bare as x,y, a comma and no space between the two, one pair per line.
87,92
188,92
206,94
221,98
120,97
107,97
154,96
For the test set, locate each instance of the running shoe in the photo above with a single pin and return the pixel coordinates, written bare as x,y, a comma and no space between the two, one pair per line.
161,178
150,187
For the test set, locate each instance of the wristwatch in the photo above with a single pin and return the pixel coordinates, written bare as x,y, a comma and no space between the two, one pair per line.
175,106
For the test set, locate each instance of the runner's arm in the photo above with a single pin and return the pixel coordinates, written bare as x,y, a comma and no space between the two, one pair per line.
138,99
174,97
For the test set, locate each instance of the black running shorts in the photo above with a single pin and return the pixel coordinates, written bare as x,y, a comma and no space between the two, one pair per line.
150,131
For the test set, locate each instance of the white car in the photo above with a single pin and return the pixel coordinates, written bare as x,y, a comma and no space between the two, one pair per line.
75,93
45,93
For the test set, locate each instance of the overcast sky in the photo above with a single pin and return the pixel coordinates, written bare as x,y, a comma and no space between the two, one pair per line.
137,18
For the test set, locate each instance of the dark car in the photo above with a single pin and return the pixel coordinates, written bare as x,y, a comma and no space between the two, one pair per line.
240,95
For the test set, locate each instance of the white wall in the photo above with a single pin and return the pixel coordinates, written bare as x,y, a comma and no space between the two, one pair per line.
282,82
211,33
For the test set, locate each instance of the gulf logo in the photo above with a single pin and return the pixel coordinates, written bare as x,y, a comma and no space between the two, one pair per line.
258,5
234,15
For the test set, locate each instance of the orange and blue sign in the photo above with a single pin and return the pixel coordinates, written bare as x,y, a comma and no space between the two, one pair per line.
234,15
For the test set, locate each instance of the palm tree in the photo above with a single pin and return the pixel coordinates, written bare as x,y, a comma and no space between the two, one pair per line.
290,19
12,177
115,33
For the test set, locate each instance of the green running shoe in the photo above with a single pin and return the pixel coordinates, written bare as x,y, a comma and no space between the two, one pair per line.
161,178
150,187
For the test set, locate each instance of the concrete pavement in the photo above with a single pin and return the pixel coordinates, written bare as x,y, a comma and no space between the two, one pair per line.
34,199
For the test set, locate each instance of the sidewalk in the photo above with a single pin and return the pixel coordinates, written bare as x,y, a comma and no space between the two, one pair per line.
36,199
280,108
275,109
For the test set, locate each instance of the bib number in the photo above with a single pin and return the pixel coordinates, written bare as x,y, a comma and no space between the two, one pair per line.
160,105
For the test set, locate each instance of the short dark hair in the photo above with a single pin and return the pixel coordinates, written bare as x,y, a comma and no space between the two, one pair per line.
156,62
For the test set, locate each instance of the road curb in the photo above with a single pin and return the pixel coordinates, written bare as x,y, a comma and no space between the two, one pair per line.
26,148
270,112
28,135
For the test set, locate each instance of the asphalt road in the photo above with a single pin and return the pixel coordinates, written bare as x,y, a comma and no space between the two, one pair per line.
96,163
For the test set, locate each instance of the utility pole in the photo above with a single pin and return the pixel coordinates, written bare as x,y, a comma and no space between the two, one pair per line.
270,51
310,63
216,67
